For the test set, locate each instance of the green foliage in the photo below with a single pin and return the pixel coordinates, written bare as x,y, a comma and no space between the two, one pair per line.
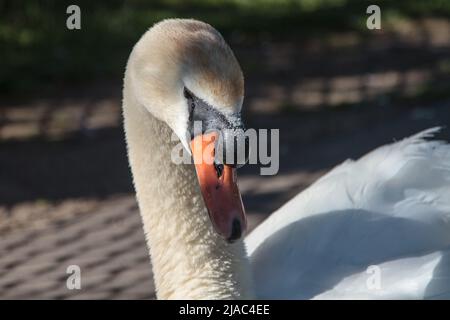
37,49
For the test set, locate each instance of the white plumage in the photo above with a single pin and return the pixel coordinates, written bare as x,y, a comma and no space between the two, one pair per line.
375,228
378,227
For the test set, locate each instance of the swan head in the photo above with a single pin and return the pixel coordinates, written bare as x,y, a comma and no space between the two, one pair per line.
184,74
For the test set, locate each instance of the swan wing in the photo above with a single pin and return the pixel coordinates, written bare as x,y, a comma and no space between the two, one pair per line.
375,228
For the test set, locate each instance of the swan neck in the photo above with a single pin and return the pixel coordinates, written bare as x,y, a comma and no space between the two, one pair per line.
189,260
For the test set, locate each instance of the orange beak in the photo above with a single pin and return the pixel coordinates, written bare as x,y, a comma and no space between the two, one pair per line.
218,184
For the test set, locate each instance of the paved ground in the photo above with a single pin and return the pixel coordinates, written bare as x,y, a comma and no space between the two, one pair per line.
96,226
107,244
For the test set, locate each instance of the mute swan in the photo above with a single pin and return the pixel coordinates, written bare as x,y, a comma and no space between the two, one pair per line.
378,227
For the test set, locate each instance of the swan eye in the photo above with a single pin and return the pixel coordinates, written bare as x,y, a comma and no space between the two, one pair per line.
191,102
189,97
187,94
219,169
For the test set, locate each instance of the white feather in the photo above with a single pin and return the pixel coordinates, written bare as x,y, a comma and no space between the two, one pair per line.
390,208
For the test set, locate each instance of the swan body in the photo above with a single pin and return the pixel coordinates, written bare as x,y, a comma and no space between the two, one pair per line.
386,215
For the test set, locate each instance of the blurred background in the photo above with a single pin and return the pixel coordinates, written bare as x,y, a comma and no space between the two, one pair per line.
313,70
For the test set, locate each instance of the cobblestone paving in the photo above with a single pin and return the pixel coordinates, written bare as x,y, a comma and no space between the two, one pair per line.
107,243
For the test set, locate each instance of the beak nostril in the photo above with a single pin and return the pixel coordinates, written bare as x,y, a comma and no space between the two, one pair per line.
219,169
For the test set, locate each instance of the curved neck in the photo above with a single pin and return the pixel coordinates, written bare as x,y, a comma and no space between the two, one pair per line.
190,261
